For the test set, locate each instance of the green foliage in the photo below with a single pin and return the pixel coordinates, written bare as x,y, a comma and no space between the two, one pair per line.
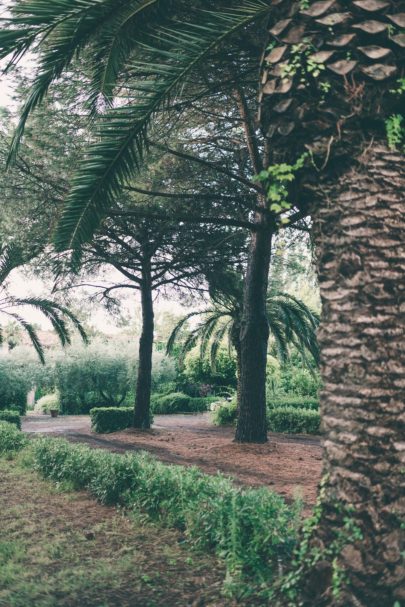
164,373
111,419
12,417
178,402
308,552
12,439
171,46
224,413
47,403
295,402
395,131
92,378
13,387
252,530
400,89
200,372
292,330
291,379
12,257
276,178
293,421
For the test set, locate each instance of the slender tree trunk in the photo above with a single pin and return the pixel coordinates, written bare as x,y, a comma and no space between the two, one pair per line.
360,237
252,425
142,414
235,337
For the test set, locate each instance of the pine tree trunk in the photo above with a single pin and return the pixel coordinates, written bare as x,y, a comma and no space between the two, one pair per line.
142,414
252,425
360,238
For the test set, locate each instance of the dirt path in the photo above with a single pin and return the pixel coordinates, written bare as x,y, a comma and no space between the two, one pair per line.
291,465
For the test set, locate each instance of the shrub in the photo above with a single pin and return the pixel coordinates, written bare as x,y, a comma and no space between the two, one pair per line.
297,380
198,374
251,529
48,402
111,419
177,402
11,438
13,388
12,417
224,413
295,402
294,421
95,377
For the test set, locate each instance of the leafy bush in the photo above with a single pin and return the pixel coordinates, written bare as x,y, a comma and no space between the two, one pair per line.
198,375
91,378
177,402
295,402
11,438
225,413
111,419
12,417
291,379
293,421
251,529
13,387
48,402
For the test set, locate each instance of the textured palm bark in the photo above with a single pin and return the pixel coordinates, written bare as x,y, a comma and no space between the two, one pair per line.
142,414
251,425
360,238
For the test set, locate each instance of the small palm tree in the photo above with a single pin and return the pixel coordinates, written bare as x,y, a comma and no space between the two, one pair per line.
11,258
291,323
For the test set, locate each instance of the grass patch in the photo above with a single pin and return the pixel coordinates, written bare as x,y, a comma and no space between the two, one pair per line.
64,550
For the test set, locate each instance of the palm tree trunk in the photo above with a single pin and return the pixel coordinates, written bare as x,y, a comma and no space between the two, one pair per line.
360,237
252,425
142,413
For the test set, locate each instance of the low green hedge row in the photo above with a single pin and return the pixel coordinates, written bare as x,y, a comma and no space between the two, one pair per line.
11,438
177,402
13,417
298,402
111,419
293,421
253,530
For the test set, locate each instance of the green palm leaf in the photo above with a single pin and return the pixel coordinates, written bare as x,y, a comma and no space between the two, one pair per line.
31,333
121,134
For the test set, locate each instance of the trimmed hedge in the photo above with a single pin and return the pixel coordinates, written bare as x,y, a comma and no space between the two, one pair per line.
293,421
111,419
11,439
177,402
253,530
12,417
297,402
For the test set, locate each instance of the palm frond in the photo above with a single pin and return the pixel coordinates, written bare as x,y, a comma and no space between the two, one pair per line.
63,30
217,342
207,329
54,312
121,133
10,258
291,321
171,342
31,333
116,41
